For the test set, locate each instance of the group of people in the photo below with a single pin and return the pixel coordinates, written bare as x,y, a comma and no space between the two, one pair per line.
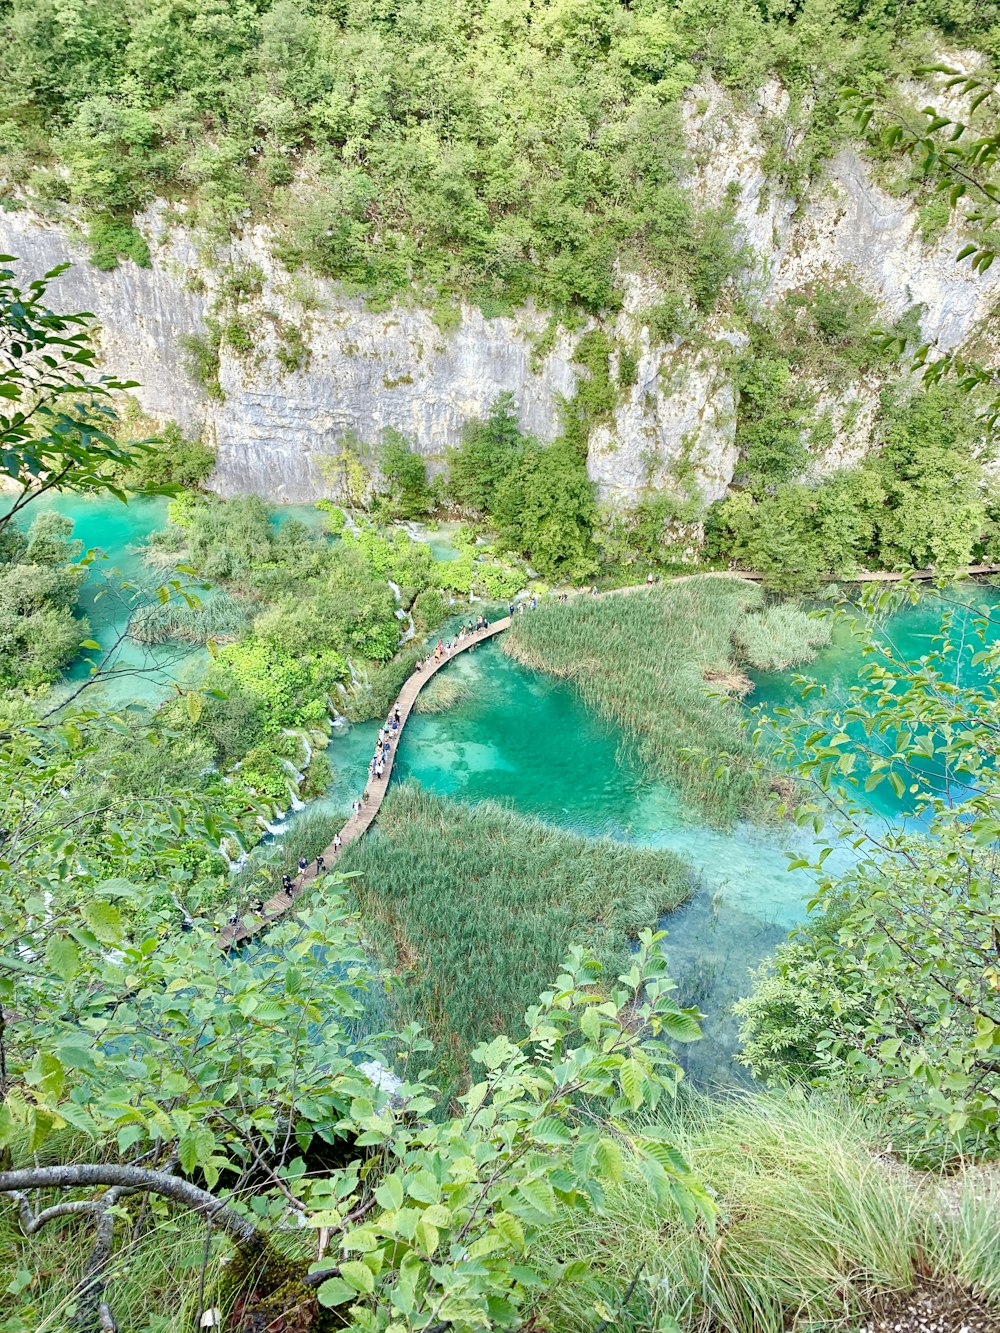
387,735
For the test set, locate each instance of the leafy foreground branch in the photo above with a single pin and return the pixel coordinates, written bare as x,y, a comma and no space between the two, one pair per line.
236,1072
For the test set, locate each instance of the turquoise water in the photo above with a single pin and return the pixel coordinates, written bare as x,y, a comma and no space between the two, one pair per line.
526,740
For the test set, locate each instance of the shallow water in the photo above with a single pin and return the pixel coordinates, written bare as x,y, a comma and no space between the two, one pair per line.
527,741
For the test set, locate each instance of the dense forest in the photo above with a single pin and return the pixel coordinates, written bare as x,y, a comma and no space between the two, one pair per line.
438,1079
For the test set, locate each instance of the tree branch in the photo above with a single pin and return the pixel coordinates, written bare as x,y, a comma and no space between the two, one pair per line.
242,1229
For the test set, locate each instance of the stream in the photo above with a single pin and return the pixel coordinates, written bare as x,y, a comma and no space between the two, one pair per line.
526,741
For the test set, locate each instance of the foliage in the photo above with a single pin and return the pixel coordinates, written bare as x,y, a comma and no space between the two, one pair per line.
404,473
919,500
57,419
175,461
111,240
650,661
252,1099
816,1228
202,358
889,990
40,578
474,907
538,497
292,685
489,452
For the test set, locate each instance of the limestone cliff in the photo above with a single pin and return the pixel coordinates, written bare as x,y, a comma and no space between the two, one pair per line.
362,371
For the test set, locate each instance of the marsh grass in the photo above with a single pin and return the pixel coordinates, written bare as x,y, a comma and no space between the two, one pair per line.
476,907
221,617
813,1226
656,663
441,693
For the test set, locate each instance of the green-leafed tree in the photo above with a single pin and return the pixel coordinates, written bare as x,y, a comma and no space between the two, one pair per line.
891,989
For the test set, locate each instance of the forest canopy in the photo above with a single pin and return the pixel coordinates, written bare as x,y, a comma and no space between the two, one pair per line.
507,150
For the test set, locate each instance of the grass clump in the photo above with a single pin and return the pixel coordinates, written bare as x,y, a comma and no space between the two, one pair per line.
651,661
477,907
222,617
442,693
814,1228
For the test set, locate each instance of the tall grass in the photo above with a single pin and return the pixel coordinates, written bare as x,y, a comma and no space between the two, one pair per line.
647,660
813,1226
476,908
221,617
441,693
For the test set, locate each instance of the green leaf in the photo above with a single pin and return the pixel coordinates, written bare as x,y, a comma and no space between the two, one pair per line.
62,957
358,1275
389,1194
105,920
334,1292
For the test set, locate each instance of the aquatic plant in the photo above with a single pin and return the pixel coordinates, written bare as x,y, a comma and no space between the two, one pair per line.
441,693
475,907
651,661
220,617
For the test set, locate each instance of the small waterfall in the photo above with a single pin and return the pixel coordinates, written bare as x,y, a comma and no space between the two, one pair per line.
292,771
402,614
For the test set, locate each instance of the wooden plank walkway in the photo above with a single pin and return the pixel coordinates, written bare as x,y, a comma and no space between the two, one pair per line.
358,825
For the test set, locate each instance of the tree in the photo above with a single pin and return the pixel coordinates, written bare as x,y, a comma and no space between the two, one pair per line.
891,990
489,452
54,427
405,474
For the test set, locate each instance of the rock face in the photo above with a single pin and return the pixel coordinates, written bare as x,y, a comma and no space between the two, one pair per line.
674,423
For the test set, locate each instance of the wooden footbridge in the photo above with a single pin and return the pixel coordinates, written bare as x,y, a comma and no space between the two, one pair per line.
358,825
252,923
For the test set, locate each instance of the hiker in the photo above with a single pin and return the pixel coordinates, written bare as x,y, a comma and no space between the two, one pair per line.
510,609
365,797
385,747
286,884
338,842
486,623
379,770
397,713
593,590
439,650
303,863
649,579
381,735
534,603
320,864
355,807
419,665
395,726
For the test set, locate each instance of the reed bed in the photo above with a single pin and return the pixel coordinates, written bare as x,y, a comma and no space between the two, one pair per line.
441,693
655,662
814,1228
476,907
222,617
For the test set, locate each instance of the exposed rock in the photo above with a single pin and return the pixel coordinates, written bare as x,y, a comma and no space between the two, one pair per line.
672,428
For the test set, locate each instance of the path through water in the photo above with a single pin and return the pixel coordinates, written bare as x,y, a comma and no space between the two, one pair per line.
526,740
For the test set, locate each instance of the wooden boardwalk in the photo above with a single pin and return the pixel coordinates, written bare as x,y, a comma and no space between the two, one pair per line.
358,825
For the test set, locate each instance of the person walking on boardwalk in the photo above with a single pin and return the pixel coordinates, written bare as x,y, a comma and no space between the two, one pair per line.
286,884
397,713
365,797
510,610
302,865
338,842
356,807
320,864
